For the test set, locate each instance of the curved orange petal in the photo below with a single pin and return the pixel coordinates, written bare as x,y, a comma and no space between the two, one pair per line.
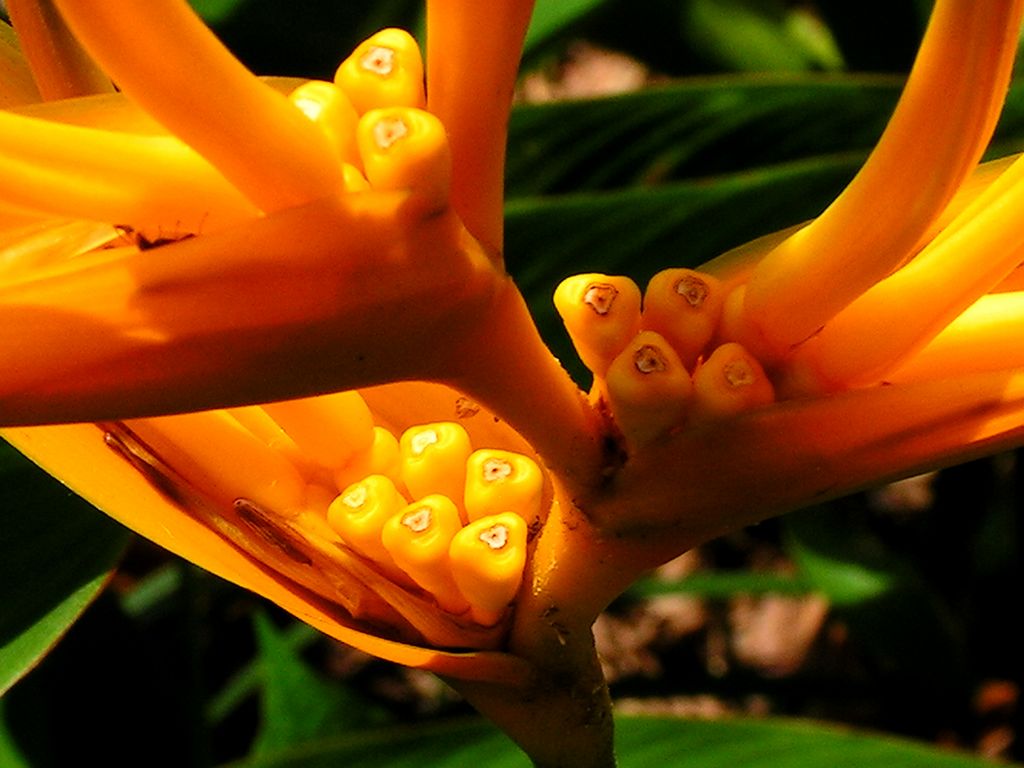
148,181
900,314
986,337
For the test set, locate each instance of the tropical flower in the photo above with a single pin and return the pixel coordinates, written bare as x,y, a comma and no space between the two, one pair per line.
266,324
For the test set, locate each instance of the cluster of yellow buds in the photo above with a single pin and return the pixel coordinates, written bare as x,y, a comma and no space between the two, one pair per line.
374,117
660,365
453,520
352,512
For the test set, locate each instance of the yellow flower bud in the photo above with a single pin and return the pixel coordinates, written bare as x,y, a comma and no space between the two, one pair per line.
359,513
382,458
353,179
418,539
384,71
328,106
601,314
503,481
259,423
434,459
729,382
488,557
404,148
648,389
684,306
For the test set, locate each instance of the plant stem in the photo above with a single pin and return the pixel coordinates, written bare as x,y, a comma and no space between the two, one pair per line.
561,717
506,366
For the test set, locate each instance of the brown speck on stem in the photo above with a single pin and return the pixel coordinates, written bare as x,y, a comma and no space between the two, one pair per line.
466,408
263,523
120,440
131,236
600,297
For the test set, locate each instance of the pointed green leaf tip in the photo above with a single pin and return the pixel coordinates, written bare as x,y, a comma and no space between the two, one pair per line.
56,553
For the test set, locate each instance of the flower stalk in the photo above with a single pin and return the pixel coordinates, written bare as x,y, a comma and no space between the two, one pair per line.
472,60
61,67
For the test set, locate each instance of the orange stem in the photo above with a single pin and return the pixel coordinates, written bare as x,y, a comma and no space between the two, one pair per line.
472,58
60,65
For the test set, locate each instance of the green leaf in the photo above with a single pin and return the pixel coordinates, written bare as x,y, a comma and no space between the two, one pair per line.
707,127
298,705
840,555
758,35
10,459
640,231
648,742
643,742
10,755
848,569
216,11
248,681
691,128
153,592
552,16
56,552
722,584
